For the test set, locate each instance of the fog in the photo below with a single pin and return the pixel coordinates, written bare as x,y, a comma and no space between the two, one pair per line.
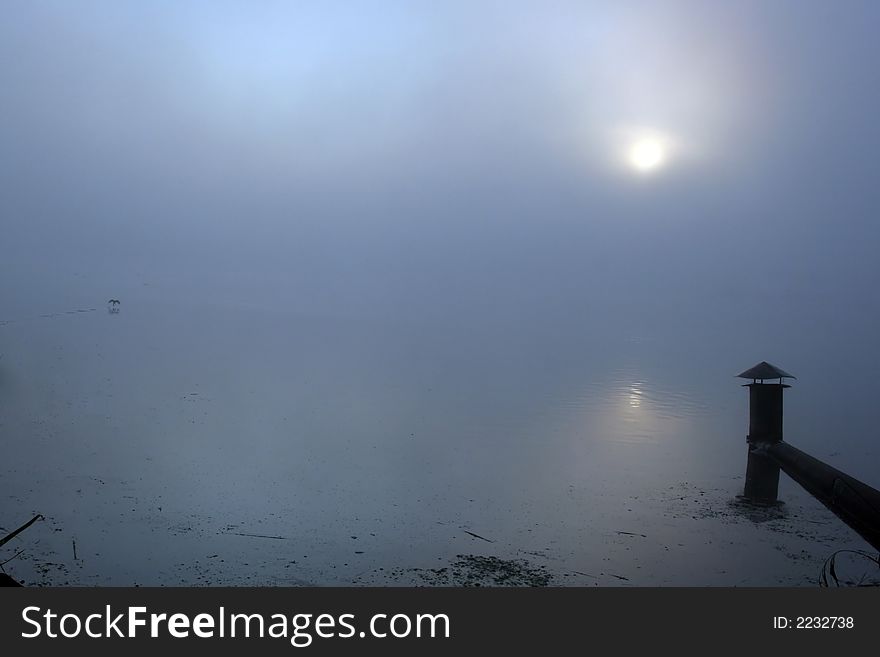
386,270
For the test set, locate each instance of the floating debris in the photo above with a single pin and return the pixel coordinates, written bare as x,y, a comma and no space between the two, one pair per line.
9,537
279,538
831,578
471,570
482,538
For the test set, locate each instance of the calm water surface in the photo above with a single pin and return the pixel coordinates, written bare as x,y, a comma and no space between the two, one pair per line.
228,442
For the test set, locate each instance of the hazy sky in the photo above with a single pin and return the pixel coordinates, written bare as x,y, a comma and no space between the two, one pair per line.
387,150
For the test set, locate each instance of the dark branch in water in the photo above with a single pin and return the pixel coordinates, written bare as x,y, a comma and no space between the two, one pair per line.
280,538
482,538
5,540
829,576
14,556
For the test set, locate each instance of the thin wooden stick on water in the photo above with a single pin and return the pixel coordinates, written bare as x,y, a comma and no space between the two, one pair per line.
6,539
577,572
14,556
279,538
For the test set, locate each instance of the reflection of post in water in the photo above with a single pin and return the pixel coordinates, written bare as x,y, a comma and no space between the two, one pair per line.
765,427
854,502
113,306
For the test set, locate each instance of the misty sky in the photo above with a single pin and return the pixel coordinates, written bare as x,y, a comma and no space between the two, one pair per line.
420,157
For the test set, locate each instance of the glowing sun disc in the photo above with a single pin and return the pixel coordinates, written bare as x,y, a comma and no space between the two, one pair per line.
646,155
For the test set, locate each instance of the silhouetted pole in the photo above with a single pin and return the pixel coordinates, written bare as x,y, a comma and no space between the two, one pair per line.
765,428
853,501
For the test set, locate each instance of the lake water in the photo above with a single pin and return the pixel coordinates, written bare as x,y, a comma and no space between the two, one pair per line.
219,438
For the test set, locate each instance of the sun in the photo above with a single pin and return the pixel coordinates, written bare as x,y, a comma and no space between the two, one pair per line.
647,154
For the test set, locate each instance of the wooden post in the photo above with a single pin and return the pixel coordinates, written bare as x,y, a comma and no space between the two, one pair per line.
853,501
765,427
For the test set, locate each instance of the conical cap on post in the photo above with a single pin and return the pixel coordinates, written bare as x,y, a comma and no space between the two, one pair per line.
765,370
